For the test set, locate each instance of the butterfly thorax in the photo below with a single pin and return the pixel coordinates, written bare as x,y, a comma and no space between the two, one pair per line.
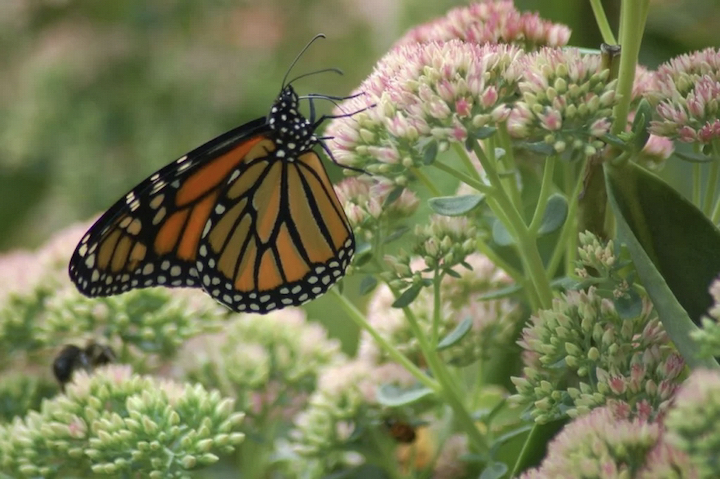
293,133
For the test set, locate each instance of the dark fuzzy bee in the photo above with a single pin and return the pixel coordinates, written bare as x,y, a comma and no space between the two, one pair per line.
72,358
402,431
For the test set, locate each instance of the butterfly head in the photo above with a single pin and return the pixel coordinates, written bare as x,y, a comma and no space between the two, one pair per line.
290,126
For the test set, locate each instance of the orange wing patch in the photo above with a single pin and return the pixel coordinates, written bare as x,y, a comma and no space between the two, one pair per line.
210,175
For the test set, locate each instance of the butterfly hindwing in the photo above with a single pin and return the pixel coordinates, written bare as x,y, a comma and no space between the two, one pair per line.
277,238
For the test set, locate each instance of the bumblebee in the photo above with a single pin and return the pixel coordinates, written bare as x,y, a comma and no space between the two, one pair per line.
402,431
72,358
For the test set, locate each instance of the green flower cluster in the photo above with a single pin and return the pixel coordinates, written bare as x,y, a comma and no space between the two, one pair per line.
119,423
708,336
693,423
269,363
41,311
581,354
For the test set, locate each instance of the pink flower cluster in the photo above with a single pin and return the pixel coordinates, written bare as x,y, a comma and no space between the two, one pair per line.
688,96
439,91
567,101
491,22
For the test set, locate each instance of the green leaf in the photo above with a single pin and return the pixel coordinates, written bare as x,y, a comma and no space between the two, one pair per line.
540,148
675,249
455,205
363,254
408,296
640,125
615,141
501,293
692,157
494,470
429,153
394,195
396,234
453,273
456,334
564,284
367,284
554,215
484,132
629,306
500,234
392,396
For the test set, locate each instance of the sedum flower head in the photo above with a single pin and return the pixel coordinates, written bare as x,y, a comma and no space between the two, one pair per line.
116,423
21,392
491,22
567,101
330,418
687,97
581,354
371,204
269,362
708,336
419,94
598,445
693,423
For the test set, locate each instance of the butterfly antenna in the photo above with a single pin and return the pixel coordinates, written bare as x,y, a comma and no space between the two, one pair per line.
324,70
319,35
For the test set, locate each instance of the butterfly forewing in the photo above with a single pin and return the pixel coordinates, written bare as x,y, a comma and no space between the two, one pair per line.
149,237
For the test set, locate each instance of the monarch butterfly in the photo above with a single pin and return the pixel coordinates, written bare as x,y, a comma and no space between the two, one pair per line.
250,217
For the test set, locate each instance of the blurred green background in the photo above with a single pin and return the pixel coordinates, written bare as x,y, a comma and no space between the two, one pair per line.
95,96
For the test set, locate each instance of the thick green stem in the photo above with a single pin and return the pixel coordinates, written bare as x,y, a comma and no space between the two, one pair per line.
633,15
545,190
425,180
567,243
449,388
437,279
467,179
526,242
465,158
696,183
398,357
716,159
711,186
602,22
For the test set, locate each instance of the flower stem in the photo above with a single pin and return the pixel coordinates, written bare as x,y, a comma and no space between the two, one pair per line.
468,180
449,388
360,320
498,261
602,22
512,218
437,302
567,242
696,183
711,188
508,161
716,158
632,23
465,158
426,181
546,185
